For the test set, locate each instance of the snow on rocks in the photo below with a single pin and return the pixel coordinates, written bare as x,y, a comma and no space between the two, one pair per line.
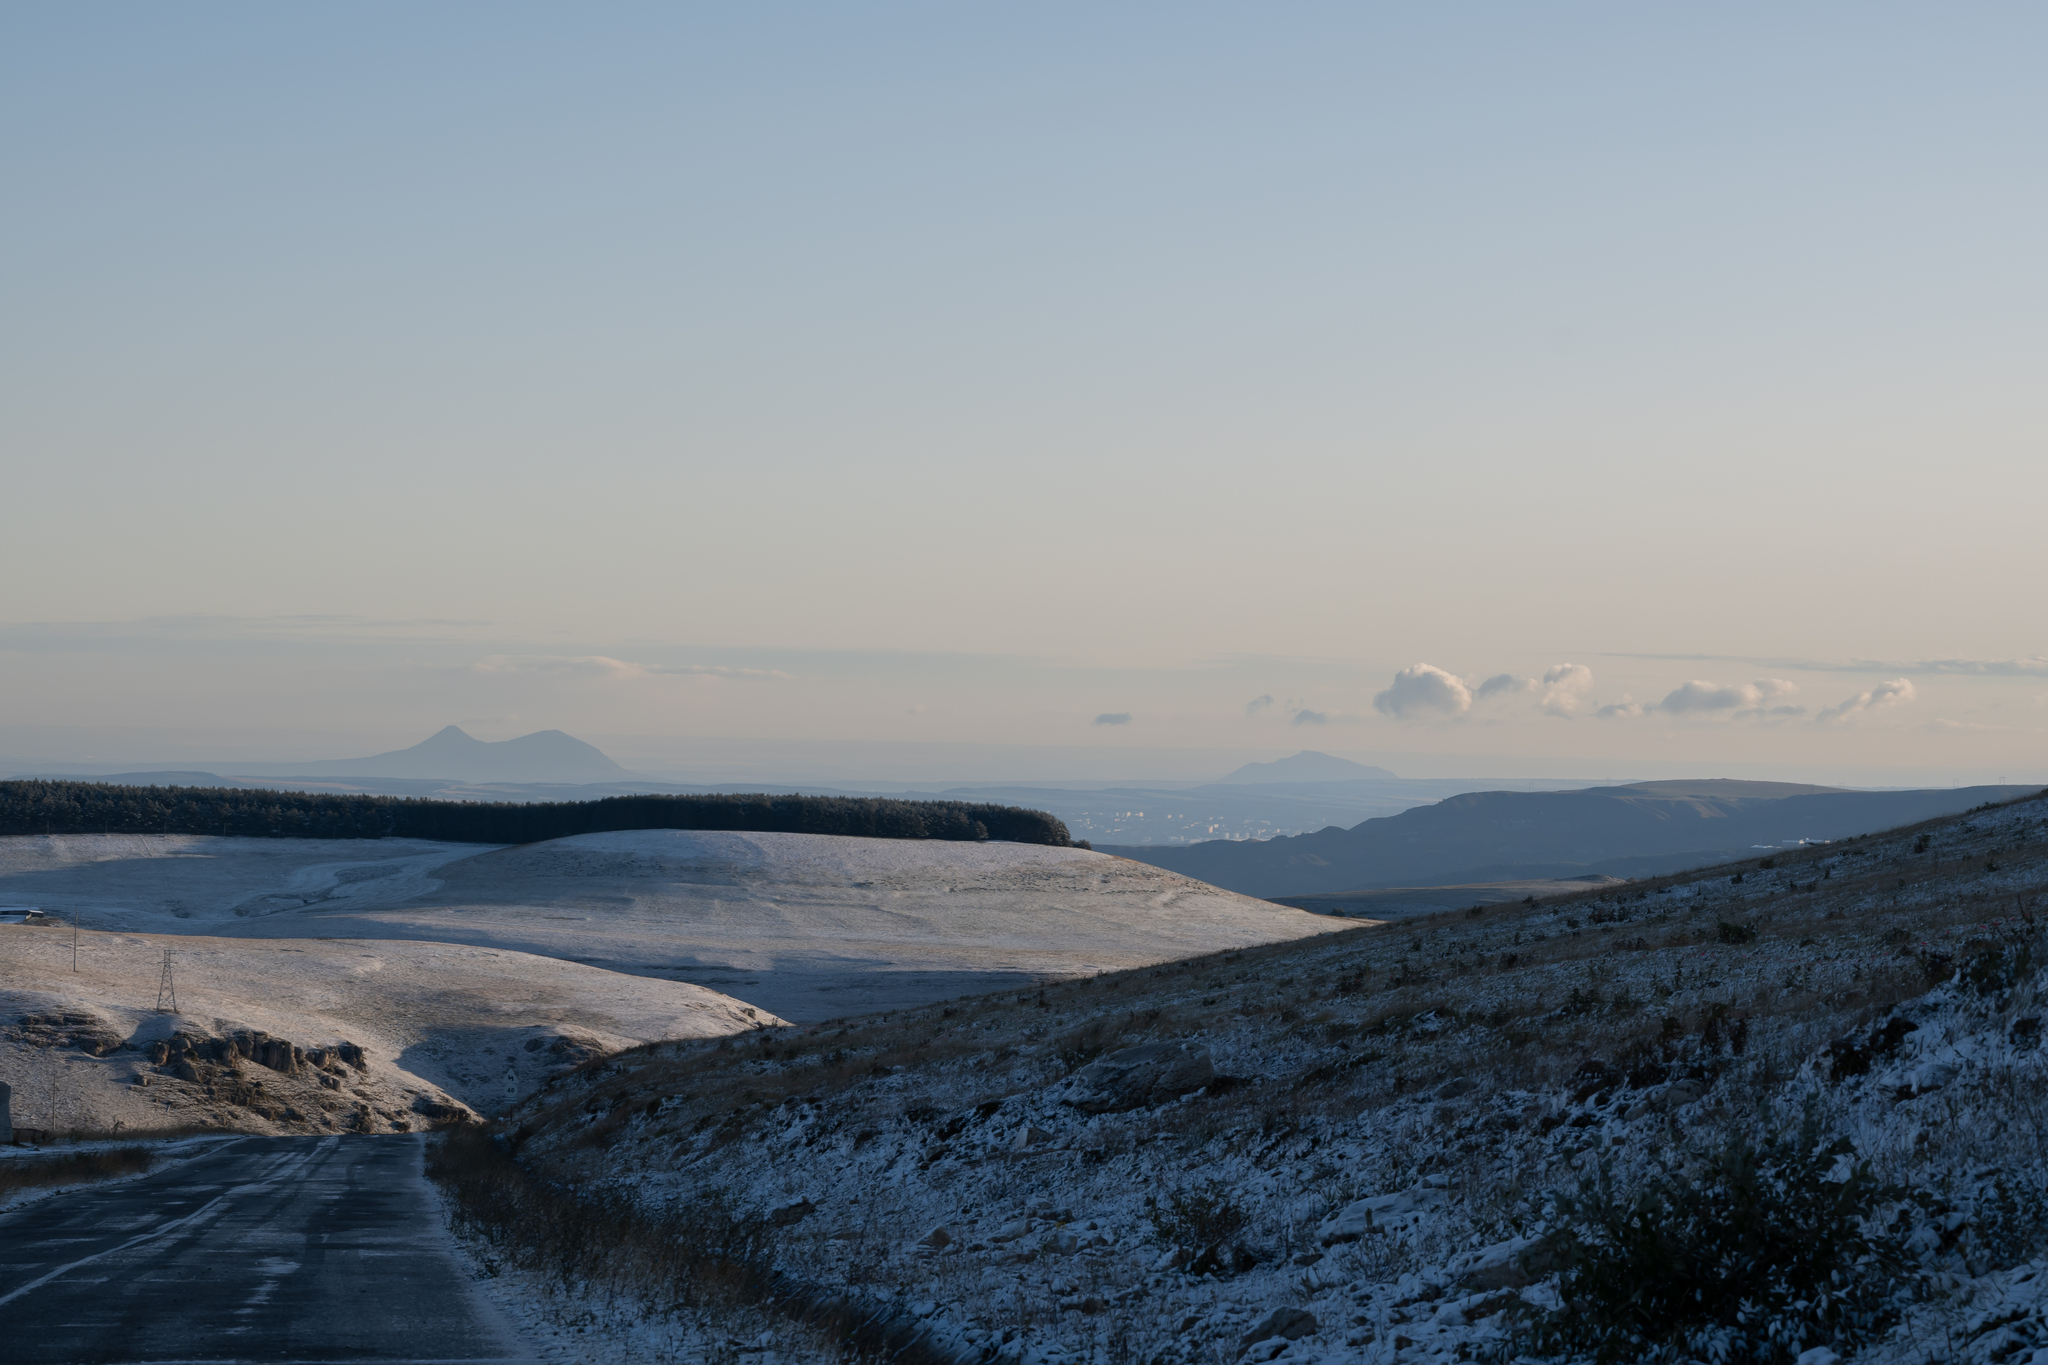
1404,1210
1133,1077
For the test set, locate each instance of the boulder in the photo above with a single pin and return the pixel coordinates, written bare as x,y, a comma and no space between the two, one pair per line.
1289,1324
1504,1265
278,1054
936,1239
438,1113
1134,1077
1355,1219
1029,1136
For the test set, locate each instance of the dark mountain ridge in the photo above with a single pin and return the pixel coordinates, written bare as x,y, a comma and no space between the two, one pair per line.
1636,830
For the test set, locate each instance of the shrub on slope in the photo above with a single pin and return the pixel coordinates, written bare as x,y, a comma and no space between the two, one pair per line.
94,808
1758,1252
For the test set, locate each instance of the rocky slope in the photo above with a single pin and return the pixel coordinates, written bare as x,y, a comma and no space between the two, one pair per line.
1398,1142
309,1035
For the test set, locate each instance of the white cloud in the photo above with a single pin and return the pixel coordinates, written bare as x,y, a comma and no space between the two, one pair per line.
1427,692
1628,708
1897,692
1564,688
1709,697
1311,718
1424,692
2032,667
1502,683
1258,704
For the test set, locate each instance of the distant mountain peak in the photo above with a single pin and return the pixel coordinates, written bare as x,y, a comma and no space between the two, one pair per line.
452,752
447,737
1308,766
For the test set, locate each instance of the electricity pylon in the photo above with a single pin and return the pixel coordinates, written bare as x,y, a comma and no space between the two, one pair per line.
166,989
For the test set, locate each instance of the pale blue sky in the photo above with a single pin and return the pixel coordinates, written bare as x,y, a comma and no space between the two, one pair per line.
1139,359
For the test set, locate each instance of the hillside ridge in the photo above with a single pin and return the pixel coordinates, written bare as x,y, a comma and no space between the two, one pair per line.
1372,1141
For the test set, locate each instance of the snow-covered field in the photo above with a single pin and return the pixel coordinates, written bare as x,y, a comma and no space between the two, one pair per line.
431,1024
1363,1147
808,927
464,975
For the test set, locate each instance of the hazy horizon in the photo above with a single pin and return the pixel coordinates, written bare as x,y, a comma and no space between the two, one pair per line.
882,764
1035,395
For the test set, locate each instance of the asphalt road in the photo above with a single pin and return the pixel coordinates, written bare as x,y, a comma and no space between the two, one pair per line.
267,1249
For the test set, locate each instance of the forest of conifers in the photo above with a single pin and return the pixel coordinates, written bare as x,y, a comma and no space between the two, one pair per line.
96,808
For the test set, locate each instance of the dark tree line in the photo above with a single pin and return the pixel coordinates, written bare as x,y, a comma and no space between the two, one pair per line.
94,808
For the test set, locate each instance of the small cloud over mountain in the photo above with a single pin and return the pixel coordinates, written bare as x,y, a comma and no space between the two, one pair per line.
1258,704
1311,718
1112,718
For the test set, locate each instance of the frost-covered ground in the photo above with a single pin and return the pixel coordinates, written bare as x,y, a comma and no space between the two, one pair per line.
1348,1148
806,927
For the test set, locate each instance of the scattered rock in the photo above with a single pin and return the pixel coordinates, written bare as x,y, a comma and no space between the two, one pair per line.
1134,1077
1929,1076
1288,1324
799,1209
936,1238
87,1032
1674,1096
1029,1136
1681,1093
1452,1089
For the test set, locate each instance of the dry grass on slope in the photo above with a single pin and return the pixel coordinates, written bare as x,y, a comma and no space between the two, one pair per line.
1769,953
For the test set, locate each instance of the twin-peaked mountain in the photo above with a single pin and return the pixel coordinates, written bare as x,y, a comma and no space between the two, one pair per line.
545,756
